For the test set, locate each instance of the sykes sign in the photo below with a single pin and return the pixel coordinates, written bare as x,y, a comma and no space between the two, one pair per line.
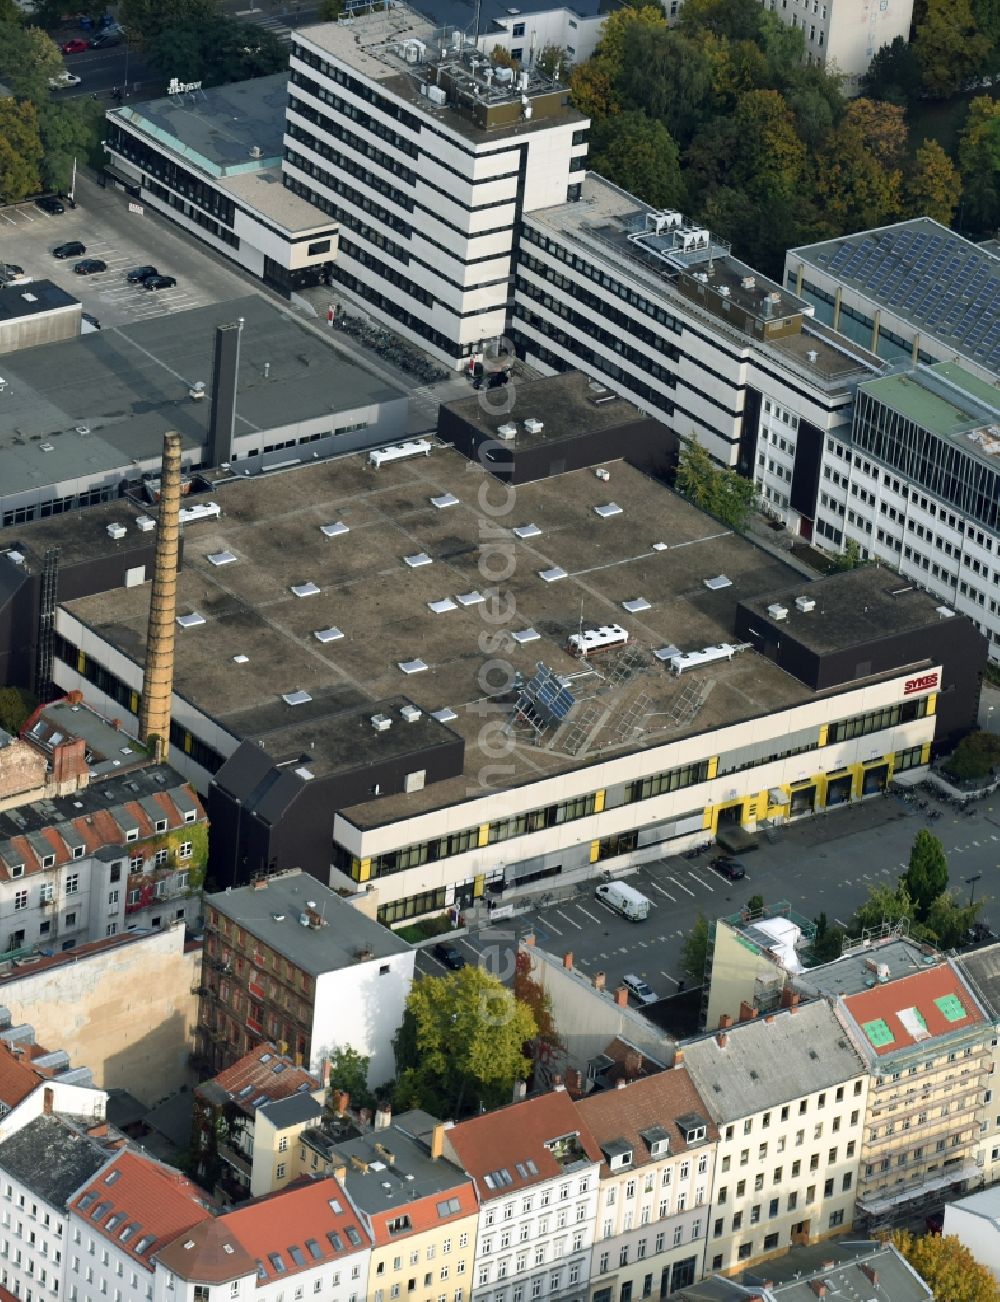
178,87
925,683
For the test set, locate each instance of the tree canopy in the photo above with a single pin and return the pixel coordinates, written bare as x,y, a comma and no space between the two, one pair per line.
16,704
723,493
349,1072
948,1267
461,1044
694,952
976,756
926,875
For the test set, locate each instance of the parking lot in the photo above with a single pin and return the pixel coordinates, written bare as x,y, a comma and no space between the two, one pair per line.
826,864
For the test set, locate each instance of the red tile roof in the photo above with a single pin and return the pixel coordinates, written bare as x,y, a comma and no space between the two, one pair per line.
17,1076
146,1202
313,1222
650,1101
885,1003
261,1076
513,1140
422,1214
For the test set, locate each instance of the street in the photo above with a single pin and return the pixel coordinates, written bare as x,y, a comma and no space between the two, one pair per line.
825,863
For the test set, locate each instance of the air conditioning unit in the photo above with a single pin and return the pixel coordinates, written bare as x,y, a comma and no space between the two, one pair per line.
381,722
256,151
804,604
777,611
533,425
506,432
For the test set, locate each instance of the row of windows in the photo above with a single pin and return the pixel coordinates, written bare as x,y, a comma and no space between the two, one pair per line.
388,306
878,720
56,506
372,181
334,126
347,219
154,163
649,397
193,213
361,91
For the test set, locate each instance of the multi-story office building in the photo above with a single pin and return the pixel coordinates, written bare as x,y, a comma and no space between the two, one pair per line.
927,1045
911,292
788,1092
288,961
661,310
655,1199
427,156
915,486
535,1166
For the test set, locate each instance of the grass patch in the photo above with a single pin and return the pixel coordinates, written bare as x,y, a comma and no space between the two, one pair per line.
426,929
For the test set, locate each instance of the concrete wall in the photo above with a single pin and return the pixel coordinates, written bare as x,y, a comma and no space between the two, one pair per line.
974,1222
127,1013
43,328
737,966
362,1007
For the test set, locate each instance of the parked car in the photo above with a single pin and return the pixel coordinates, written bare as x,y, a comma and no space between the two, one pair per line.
160,282
90,267
639,989
10,269
731,869
72,249
450,955
51,203
64,79
75,46
104,40
138,275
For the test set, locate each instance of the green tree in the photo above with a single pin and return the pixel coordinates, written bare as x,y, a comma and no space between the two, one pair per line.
933,185
330,10
893,74
69,129
638,154
529,992
146,19
949,47
721,492
926,876
503,58
882,126
948,920
948,1267
828,942
736,20
20,151
215,49
814,114
853,189
755,905
694,951
554,61
16,705
987,18
884,904
461,1045
975,756
349,1072
28,58
979,162
669,76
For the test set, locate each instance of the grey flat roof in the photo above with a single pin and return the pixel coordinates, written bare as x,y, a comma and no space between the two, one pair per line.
296,1108
659,548
39,296
105,399
982,970
604,218
854,972
271,913
494,15
939,283
106,745
852,608
215,129
53,1159
792,1272
769,1062
403,1139
264,192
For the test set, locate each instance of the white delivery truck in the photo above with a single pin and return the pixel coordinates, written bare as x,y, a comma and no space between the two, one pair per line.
627,901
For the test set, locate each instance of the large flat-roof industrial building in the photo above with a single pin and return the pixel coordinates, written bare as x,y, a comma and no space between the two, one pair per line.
357,681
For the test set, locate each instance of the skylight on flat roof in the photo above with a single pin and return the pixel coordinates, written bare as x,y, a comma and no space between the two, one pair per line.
241,660
525,635
444,716
328,635
412,666
221,558
417,560
951,1008
913,1020
334,530
296,698
718,583
445,499
441,607
552,575
470,598
636,605
609,509
878,1033
305,589
191,621
527,531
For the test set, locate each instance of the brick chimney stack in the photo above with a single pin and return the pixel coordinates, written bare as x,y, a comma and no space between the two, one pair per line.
158,672
69,765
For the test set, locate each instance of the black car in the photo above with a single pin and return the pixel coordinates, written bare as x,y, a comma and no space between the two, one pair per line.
90,267
731,869
140,274
74,249
104,40
450,956
91,320
160,282
51,203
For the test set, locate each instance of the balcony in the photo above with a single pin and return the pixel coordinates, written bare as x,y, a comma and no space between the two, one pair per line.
235,1159
879,1202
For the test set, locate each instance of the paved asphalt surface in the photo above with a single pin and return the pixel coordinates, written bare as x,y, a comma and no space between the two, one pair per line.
825,863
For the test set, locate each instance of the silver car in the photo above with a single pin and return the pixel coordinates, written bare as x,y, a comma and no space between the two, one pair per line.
639,989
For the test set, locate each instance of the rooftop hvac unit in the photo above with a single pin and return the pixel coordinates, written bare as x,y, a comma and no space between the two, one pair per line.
381,722
658,222
777,611
457,40
410,713
804,604
256,151
701,277
506,432
145,523
505,75
603,474
533,425
748,282
724,291
117,531
523,81
437,95
812,354
694,239
414,50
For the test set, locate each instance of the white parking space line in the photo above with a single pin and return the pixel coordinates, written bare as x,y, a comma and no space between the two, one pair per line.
551,925
566,918
681,885
701,881
587,914
653,886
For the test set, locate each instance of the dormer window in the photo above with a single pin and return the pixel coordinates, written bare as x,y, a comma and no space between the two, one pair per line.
696,1134
17,870
132,834
161,825
618,1154
189,815
657,1140
48,861
78,851
659,1148
621,1160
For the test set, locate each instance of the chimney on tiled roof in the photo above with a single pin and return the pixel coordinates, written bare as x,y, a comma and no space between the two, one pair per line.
383,1116
621,997
568,960
678,1057
520,1091
48,1094
600,980
725,1022
747,1011
437,1141
789,999
69,765
341,1102
818,1286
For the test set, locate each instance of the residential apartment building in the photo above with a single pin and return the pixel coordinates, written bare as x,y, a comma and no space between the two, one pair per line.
915,486
418,1209
304,1243
536,1170
788,1092
574,29
656,1181
246,1120
288,961
426,156
928,1048
660,310
99,842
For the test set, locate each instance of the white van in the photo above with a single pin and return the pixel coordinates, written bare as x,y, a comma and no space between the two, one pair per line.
627,901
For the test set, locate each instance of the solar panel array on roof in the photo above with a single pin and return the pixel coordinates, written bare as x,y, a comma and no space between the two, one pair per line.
941,283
